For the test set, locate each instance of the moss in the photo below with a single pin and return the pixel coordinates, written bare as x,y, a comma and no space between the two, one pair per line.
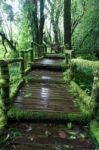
1,83
66,76
97,148
94,131
14,90
2,116
25,115
93,65
84,101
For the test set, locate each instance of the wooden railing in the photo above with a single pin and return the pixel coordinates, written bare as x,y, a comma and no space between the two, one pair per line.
53,49
36,51
82,67
5,76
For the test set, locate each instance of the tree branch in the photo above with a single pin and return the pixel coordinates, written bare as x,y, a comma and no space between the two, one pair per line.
10,43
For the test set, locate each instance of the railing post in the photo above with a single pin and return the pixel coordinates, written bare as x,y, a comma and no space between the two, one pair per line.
38,51
31,53
95,88
22,63
72,71
45,49
5,90
67,58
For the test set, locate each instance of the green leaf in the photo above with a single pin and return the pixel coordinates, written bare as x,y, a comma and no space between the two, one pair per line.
28,95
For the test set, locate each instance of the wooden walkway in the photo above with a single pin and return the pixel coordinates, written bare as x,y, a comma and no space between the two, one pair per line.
46,92
42,93
38,136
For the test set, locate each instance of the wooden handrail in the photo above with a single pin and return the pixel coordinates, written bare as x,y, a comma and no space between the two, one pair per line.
4,65
26,51
36,44
16,60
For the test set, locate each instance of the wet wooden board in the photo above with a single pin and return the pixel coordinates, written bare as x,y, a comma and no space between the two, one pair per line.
35,136
46,74
45,97
47,61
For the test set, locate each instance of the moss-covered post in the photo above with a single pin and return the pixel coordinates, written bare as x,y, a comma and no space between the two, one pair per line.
73,69
41,50
31,53
45,50
22,63
95,88
5,90
38,51
66,58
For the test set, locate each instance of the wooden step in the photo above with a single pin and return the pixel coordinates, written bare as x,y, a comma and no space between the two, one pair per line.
47,137
55,56
48,67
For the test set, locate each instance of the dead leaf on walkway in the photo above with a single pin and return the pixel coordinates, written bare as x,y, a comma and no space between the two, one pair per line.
62,134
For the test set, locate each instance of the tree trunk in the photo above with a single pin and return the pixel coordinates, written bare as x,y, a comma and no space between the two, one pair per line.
35,22
67,23
42,19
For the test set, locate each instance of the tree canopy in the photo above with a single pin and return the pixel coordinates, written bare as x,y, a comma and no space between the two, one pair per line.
70,22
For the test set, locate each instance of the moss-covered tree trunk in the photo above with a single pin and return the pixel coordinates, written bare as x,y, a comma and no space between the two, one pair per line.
35,22
67,23
42,19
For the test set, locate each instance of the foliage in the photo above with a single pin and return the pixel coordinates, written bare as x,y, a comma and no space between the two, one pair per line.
24,34
85,13
84,73
94,128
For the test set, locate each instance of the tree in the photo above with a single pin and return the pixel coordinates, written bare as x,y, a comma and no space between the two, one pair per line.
42,19
67,23
6,20
35,16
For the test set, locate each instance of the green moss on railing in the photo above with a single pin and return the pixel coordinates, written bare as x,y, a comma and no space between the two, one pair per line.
93,65
85,102
94,131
